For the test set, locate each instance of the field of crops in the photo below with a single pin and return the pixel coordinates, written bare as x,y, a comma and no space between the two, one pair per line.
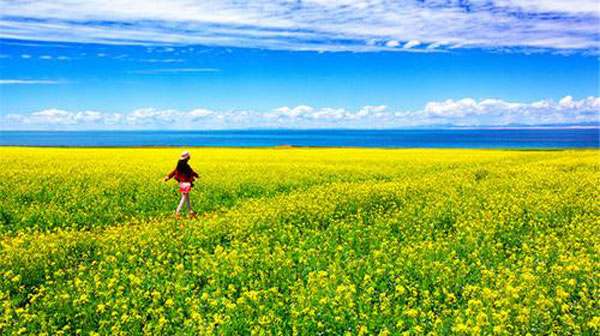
300,241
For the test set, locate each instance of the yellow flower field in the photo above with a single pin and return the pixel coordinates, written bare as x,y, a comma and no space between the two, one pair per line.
300,241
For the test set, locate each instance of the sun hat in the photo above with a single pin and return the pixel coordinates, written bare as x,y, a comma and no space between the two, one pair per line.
184,155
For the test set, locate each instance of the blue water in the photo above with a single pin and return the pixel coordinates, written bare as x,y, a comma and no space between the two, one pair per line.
498,138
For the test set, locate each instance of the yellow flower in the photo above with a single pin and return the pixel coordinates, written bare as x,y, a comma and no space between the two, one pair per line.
384,332
400,289
461,328
412,313
594,323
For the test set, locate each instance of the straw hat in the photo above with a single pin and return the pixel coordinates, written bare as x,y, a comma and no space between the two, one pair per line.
184,155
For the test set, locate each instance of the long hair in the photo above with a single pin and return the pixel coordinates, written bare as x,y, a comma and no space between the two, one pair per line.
183,168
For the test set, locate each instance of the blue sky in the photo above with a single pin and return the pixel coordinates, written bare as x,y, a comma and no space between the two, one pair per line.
218,64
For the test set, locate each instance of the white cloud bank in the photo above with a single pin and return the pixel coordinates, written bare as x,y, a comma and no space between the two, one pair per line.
465,112
355,25
303,112
469,112
56,118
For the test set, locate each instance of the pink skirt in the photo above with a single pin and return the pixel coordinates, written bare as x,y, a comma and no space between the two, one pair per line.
185,187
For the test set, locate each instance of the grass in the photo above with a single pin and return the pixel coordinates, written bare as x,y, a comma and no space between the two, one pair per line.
306,241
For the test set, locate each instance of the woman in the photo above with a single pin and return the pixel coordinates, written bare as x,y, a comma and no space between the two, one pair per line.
183,174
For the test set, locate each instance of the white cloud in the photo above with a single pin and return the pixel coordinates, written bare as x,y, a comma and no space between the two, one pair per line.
434,46
294,112
566,102
28,81
200,113
579,6
51,113
451,108
151,116
470,112
61,117
411,44
305,112
328,113
313,24
392,43
112,119
462,112
371,110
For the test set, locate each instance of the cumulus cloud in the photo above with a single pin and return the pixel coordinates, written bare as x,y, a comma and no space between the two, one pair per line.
151,116
461,112
59,117
305,112
376,110
51,113
470,112
355,25
290,112
328,113
200,113
466,112
170,118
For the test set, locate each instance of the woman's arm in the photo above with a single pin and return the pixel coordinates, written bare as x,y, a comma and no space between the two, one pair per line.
170,176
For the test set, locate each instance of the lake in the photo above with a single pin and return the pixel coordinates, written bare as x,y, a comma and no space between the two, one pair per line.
443,138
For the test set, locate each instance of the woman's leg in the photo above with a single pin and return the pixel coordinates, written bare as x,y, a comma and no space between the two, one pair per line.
189,205
181,202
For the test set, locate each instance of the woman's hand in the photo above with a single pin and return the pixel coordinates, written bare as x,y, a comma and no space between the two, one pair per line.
167,178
